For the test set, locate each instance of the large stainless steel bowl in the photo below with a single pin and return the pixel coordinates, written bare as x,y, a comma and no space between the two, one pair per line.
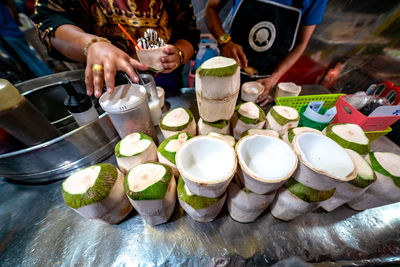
58,158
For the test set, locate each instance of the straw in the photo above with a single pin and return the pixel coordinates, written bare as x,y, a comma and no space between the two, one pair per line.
127,34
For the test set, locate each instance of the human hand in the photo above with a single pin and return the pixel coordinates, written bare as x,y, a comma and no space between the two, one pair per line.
268,83
234,51
171,61
112,59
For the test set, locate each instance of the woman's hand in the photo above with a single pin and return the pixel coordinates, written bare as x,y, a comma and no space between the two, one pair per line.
268,83
171,59
112,59
235,51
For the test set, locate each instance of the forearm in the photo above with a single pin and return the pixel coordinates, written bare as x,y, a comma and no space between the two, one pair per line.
70,41
186,48
212,18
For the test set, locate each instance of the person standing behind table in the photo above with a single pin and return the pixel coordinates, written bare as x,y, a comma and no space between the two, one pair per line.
269,36
87,31
16,40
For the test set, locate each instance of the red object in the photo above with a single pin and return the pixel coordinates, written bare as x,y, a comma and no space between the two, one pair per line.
346,113
127,34
304,71
391,93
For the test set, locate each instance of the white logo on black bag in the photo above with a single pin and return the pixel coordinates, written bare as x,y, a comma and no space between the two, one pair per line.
262,36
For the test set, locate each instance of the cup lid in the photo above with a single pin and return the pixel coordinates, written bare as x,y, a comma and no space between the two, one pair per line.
123,98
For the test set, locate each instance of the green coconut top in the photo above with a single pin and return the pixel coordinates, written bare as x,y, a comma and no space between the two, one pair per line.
266,132
170,145
89,185
349,136
387,164
176,119
148,181
283,115
306,193
138,141
218,67
195,201
242,111
221,124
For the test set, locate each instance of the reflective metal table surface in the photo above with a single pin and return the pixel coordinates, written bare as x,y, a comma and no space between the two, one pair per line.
38,229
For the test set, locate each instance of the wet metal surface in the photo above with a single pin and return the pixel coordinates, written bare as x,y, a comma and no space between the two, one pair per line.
38,229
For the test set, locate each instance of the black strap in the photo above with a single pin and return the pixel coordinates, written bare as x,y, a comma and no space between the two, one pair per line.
297,3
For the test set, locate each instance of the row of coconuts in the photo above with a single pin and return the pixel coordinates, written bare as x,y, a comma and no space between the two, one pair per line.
275,163
293,173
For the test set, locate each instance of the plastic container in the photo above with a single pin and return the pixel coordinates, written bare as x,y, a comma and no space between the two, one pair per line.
79,105
329,101
346,113
152,97
21,119
128,110
306,122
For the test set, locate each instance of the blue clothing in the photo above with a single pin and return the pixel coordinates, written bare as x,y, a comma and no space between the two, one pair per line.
312,11
8,26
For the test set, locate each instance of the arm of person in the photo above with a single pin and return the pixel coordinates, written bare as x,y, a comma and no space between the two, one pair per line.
214,24
185,35
285,64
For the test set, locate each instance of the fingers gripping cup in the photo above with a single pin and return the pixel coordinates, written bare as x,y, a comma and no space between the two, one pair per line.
128,110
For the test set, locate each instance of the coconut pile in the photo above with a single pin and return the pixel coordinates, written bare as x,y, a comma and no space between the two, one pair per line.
242,157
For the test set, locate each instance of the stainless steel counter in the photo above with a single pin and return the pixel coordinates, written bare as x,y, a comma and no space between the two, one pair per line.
38,229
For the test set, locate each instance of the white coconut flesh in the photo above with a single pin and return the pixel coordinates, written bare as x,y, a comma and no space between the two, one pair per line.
351,132
364,170
145,175
132,145
227,138
206,159
389,162
81,181
267,132
324,155
175,144
249,110
266,158
289,87
176,117
252,88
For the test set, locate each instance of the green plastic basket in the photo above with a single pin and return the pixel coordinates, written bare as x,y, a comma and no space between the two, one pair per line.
297,102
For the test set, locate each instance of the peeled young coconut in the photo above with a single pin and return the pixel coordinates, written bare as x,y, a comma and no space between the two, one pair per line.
287,89
167,150
386,189
251,90
346,192
292,132
97,192
247,116
265,162
227,138
217,88
135,149
177,120
349,136
207,165
267,132
282,118
201,209
295,199
221,127
151,188
323,163
244,205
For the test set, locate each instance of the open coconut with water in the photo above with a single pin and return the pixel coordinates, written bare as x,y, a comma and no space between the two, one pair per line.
178,120
207,165
346,192
265,162
151,188
97,192
135,149
247,116
250,91
244,205
199,208
221,127
386,189
281,119
166,152
217,88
